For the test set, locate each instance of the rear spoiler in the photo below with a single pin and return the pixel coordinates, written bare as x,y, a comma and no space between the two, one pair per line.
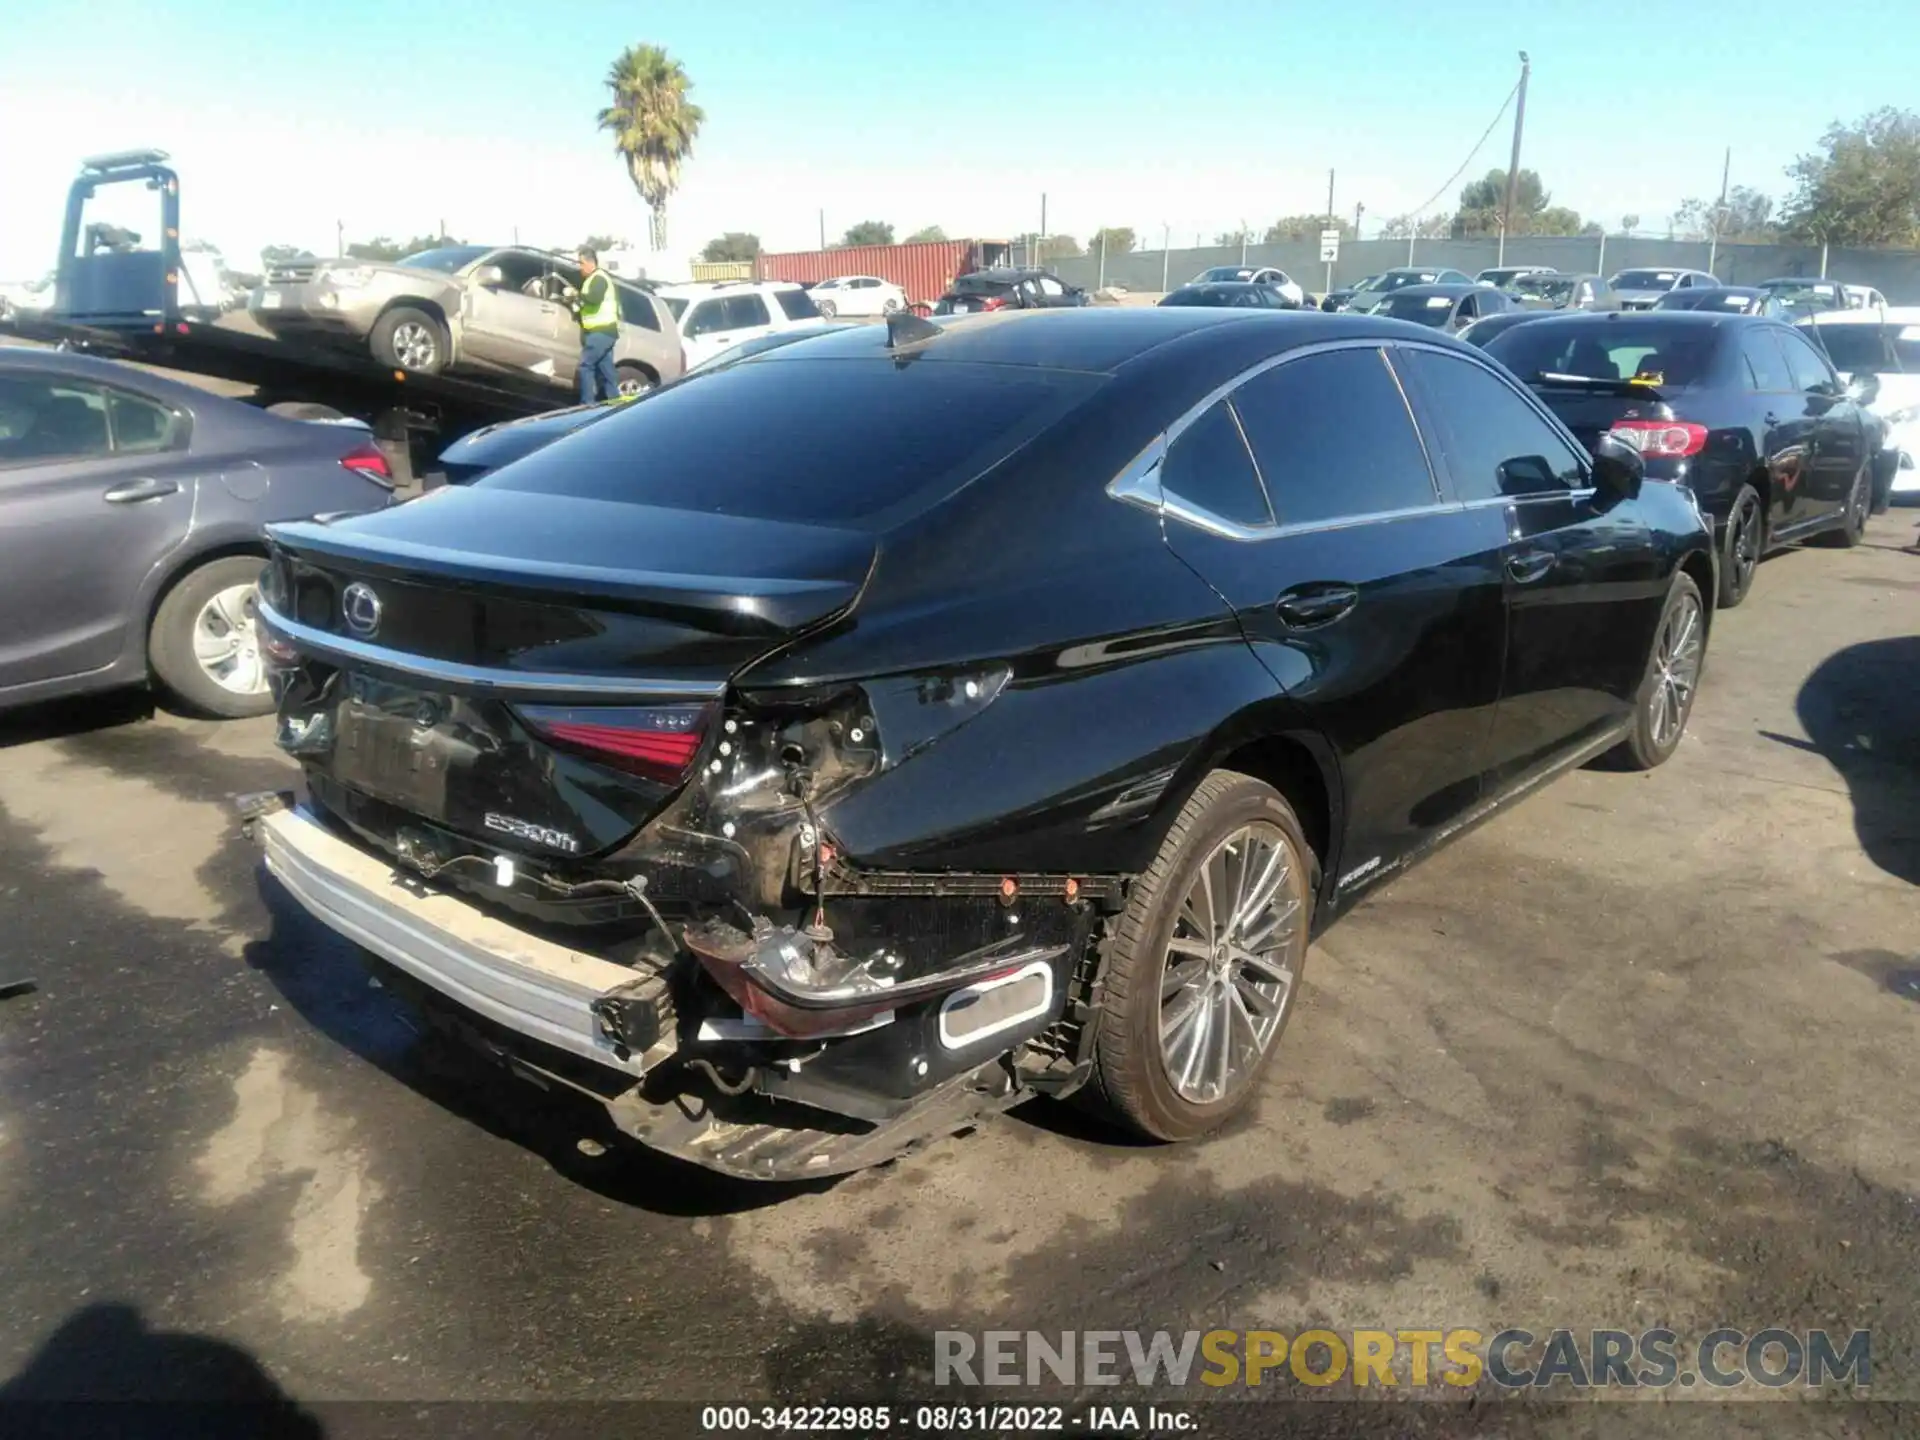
1647,388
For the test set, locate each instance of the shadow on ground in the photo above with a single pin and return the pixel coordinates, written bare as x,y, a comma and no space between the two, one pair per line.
58,719
1861,708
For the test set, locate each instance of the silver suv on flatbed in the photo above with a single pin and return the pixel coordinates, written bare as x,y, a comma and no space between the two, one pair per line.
471,309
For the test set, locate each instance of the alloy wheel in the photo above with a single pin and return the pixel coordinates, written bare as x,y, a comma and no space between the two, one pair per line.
1228,976
631,386
414,346
1858,501
1746,545
1676,659
226,644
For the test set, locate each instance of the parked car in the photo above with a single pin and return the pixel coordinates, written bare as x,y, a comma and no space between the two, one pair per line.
464,308
1564,292
26,297
814,789
1863,297
1341,295
1369,293
715,317
1488,326
1746,412
1642,289
857,295
1503,276
1449,307
1727,300
1254,275
1007,289
131,515
1882,345
1234,294
487,449
1803,296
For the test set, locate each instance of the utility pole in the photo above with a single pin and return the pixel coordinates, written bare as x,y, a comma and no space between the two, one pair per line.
1719,211
1243,242
340,237
1043,220
1166,253
1331,224
1359,209
823,229
1513,165
1101,283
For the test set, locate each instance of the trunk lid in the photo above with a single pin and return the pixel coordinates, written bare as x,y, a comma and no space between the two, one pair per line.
1589,408
535,673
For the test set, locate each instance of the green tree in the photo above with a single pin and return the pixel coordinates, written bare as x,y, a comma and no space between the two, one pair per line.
734,245
1862,187
653,124
1533,210
1628,223
599,244
1748,216
1234,237
1429,227
1306,227
1057,247
868,232
280,254
925,235
1118,240
379,248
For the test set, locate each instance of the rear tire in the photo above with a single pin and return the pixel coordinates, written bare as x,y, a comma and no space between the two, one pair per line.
1853,524
1181,1008
1746,541
202,646
410,339
1665,700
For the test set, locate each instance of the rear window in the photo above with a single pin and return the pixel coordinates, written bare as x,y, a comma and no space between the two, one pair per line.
1545,287
1422,309
797,304
981,285
1856,348
1609,350
677,304
1645,279
771,440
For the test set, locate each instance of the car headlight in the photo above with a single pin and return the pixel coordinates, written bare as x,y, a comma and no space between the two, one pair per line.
348,277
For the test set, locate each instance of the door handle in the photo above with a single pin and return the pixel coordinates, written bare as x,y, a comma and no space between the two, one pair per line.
1771,418
144,489
1527,568
1308,605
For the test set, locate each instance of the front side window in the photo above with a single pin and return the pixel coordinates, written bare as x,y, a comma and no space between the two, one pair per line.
1334,439
797,305
1208,467
1051,286
741,312
1497,445
44,419
1811,372
702,319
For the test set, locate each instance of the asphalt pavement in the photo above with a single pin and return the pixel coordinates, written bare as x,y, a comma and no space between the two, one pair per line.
1640,1051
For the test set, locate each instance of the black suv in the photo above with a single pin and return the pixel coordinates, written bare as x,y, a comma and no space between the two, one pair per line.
980,290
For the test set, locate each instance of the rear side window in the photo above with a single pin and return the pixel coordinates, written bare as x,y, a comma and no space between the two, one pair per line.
1208,467
1334,439
43,419
1811,372
139,425
1496,444
739,312
797,304
1766,366
770,439
637,309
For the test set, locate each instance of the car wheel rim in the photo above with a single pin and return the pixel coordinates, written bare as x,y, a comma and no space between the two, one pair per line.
1746,544
413,345
1857,503
631,385
1229,971
226,643
1677,669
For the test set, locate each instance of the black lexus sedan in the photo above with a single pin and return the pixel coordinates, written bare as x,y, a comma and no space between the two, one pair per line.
808,791
1743,410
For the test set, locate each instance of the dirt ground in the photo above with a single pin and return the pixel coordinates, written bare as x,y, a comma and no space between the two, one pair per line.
1640,1052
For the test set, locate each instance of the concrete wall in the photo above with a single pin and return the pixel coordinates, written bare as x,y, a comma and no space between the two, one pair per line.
1895,273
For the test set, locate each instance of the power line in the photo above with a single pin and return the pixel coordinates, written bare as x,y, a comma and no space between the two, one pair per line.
1416,212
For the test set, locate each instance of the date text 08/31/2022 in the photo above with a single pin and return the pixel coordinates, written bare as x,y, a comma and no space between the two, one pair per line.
945,1419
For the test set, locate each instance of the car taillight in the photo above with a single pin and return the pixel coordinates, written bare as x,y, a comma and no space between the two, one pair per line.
658,742
368,462
1663,439
994,302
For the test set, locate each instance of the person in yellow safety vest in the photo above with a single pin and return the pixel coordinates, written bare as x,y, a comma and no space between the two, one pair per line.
598,307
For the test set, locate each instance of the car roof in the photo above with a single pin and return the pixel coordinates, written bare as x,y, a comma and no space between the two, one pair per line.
1099,339
1681,319
1890,315
111,372
1452,289
1799,280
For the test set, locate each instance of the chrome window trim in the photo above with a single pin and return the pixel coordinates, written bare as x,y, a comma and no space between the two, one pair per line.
480,678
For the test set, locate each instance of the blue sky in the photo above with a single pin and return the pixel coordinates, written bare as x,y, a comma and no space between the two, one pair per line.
284,119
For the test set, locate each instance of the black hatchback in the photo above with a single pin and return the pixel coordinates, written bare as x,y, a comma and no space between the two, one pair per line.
983,290
812,790
1743,410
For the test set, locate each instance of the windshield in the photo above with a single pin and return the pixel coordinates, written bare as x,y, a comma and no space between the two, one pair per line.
1220,272
677,304
1804,292
1658,352
453,257
771,440
1645,280
1544,287
1400,279
1247,296
1422,309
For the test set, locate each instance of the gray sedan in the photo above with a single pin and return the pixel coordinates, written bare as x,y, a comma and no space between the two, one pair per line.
131,509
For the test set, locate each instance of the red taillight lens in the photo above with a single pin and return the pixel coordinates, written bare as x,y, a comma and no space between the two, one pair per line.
655,741
1663,439
368,462
994,302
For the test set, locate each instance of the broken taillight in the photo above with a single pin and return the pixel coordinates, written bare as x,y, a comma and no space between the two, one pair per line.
655,741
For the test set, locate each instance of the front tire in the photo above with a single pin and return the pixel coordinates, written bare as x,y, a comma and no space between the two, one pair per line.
827,308
203,646
410,339
1745,542
1674,662
1205,962
1853,523
633,380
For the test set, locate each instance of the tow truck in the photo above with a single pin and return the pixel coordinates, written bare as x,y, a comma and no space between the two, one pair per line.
119,297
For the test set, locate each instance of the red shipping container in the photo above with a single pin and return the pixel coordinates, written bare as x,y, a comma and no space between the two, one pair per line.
923,271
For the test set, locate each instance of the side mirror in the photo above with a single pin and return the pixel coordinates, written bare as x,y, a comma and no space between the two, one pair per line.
1617,468
1864,388
489,276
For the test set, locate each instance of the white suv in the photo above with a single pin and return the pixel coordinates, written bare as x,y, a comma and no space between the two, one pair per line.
715,316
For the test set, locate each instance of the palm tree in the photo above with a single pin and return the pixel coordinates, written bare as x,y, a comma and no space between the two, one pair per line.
653,125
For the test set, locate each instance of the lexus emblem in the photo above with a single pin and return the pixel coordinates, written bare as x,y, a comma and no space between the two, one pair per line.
361,607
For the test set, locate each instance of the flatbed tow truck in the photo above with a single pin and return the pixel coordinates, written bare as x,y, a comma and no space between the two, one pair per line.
117,298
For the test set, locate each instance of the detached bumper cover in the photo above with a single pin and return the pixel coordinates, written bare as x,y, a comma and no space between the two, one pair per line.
529,985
